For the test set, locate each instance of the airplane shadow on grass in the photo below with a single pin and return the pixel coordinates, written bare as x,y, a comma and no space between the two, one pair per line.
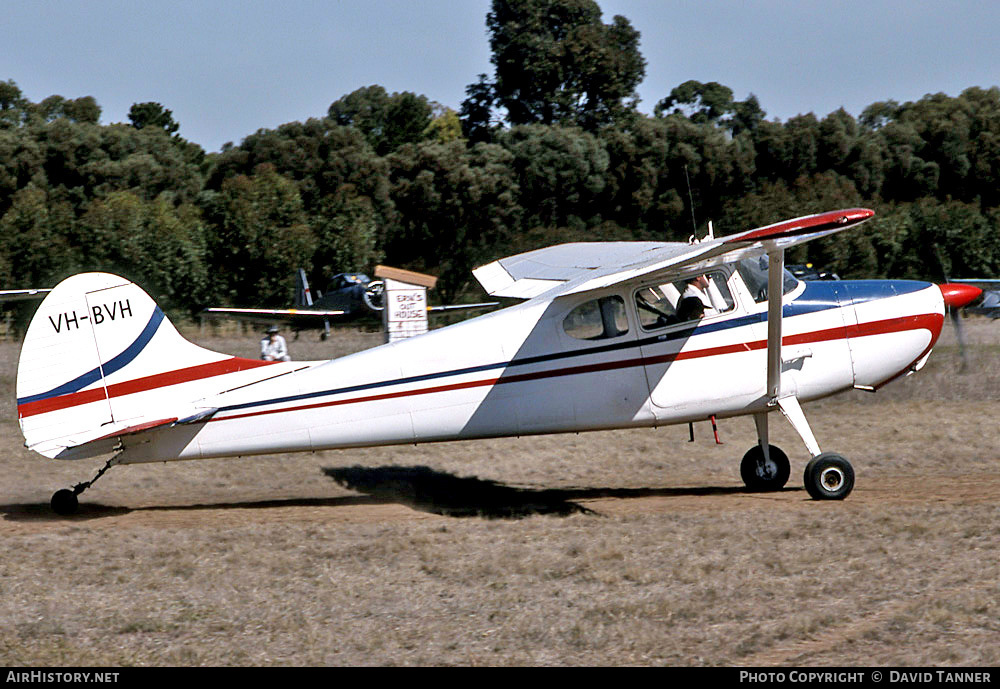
41,512
418,487
433,491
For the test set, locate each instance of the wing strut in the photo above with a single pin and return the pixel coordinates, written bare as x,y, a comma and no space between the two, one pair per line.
789,404
775,278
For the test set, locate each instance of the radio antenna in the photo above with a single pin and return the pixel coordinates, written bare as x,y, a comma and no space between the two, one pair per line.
694,225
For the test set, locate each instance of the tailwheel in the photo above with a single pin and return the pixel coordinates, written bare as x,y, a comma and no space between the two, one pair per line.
829,476
64,502
762,475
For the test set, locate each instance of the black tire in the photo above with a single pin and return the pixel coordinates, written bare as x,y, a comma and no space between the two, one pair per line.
776,473
829,476
374,295
64,502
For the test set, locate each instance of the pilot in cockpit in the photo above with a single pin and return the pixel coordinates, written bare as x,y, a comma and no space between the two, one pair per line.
698,288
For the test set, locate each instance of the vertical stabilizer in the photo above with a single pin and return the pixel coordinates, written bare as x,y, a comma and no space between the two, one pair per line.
100,356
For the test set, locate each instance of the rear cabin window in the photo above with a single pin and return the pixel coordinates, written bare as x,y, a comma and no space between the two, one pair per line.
681,301
598,319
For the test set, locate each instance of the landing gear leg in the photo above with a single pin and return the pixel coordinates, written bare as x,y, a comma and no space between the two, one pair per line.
65,501
828,476
764,467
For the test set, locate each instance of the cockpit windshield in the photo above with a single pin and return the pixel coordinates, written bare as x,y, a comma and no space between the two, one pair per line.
754,274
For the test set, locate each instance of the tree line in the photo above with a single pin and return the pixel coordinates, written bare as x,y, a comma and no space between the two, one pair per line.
549,148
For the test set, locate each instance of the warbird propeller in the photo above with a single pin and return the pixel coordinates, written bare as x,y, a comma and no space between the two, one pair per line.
609,335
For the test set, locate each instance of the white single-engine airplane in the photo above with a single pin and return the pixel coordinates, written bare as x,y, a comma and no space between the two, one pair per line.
610,335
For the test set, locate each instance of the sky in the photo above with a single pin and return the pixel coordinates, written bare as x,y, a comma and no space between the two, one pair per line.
227,68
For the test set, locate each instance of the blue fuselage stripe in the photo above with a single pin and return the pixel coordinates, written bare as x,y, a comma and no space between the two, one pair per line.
817,296
116,364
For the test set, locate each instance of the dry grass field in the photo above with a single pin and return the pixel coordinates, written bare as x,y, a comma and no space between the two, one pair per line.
612,548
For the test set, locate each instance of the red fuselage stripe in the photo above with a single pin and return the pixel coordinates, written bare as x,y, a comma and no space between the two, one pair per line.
144,384
931,322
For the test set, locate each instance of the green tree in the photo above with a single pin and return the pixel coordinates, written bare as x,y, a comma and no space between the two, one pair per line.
261,236
557,63
456,208
152,115
33,244
950,238
717,167
155,243
445,126
347,233
319,155
848,253
561,173
478,114
700,103
387,121
13,105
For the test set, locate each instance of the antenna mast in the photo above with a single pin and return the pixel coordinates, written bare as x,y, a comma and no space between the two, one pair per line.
694,225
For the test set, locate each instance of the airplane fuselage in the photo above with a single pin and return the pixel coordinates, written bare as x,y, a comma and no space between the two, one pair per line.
529,369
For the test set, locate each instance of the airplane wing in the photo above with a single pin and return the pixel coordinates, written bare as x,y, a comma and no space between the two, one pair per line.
460,307
272,314
22,294
582,267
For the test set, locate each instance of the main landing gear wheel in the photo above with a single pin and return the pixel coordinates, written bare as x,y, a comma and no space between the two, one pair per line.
64,502
760,475
829,476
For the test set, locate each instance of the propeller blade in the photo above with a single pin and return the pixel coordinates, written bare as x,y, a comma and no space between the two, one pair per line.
956,319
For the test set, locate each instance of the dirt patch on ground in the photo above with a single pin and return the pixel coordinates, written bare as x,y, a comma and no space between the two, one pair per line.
885,494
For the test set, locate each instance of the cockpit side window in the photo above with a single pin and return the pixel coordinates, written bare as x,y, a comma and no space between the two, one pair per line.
597,319
688,299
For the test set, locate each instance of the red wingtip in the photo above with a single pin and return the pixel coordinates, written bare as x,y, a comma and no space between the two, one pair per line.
956,296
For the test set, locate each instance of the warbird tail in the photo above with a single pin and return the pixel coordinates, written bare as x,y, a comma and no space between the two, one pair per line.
100,360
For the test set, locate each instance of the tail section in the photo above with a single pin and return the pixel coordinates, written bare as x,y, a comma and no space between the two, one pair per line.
303,297
101,360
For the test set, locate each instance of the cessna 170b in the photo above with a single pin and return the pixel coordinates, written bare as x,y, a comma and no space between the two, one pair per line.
608,336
